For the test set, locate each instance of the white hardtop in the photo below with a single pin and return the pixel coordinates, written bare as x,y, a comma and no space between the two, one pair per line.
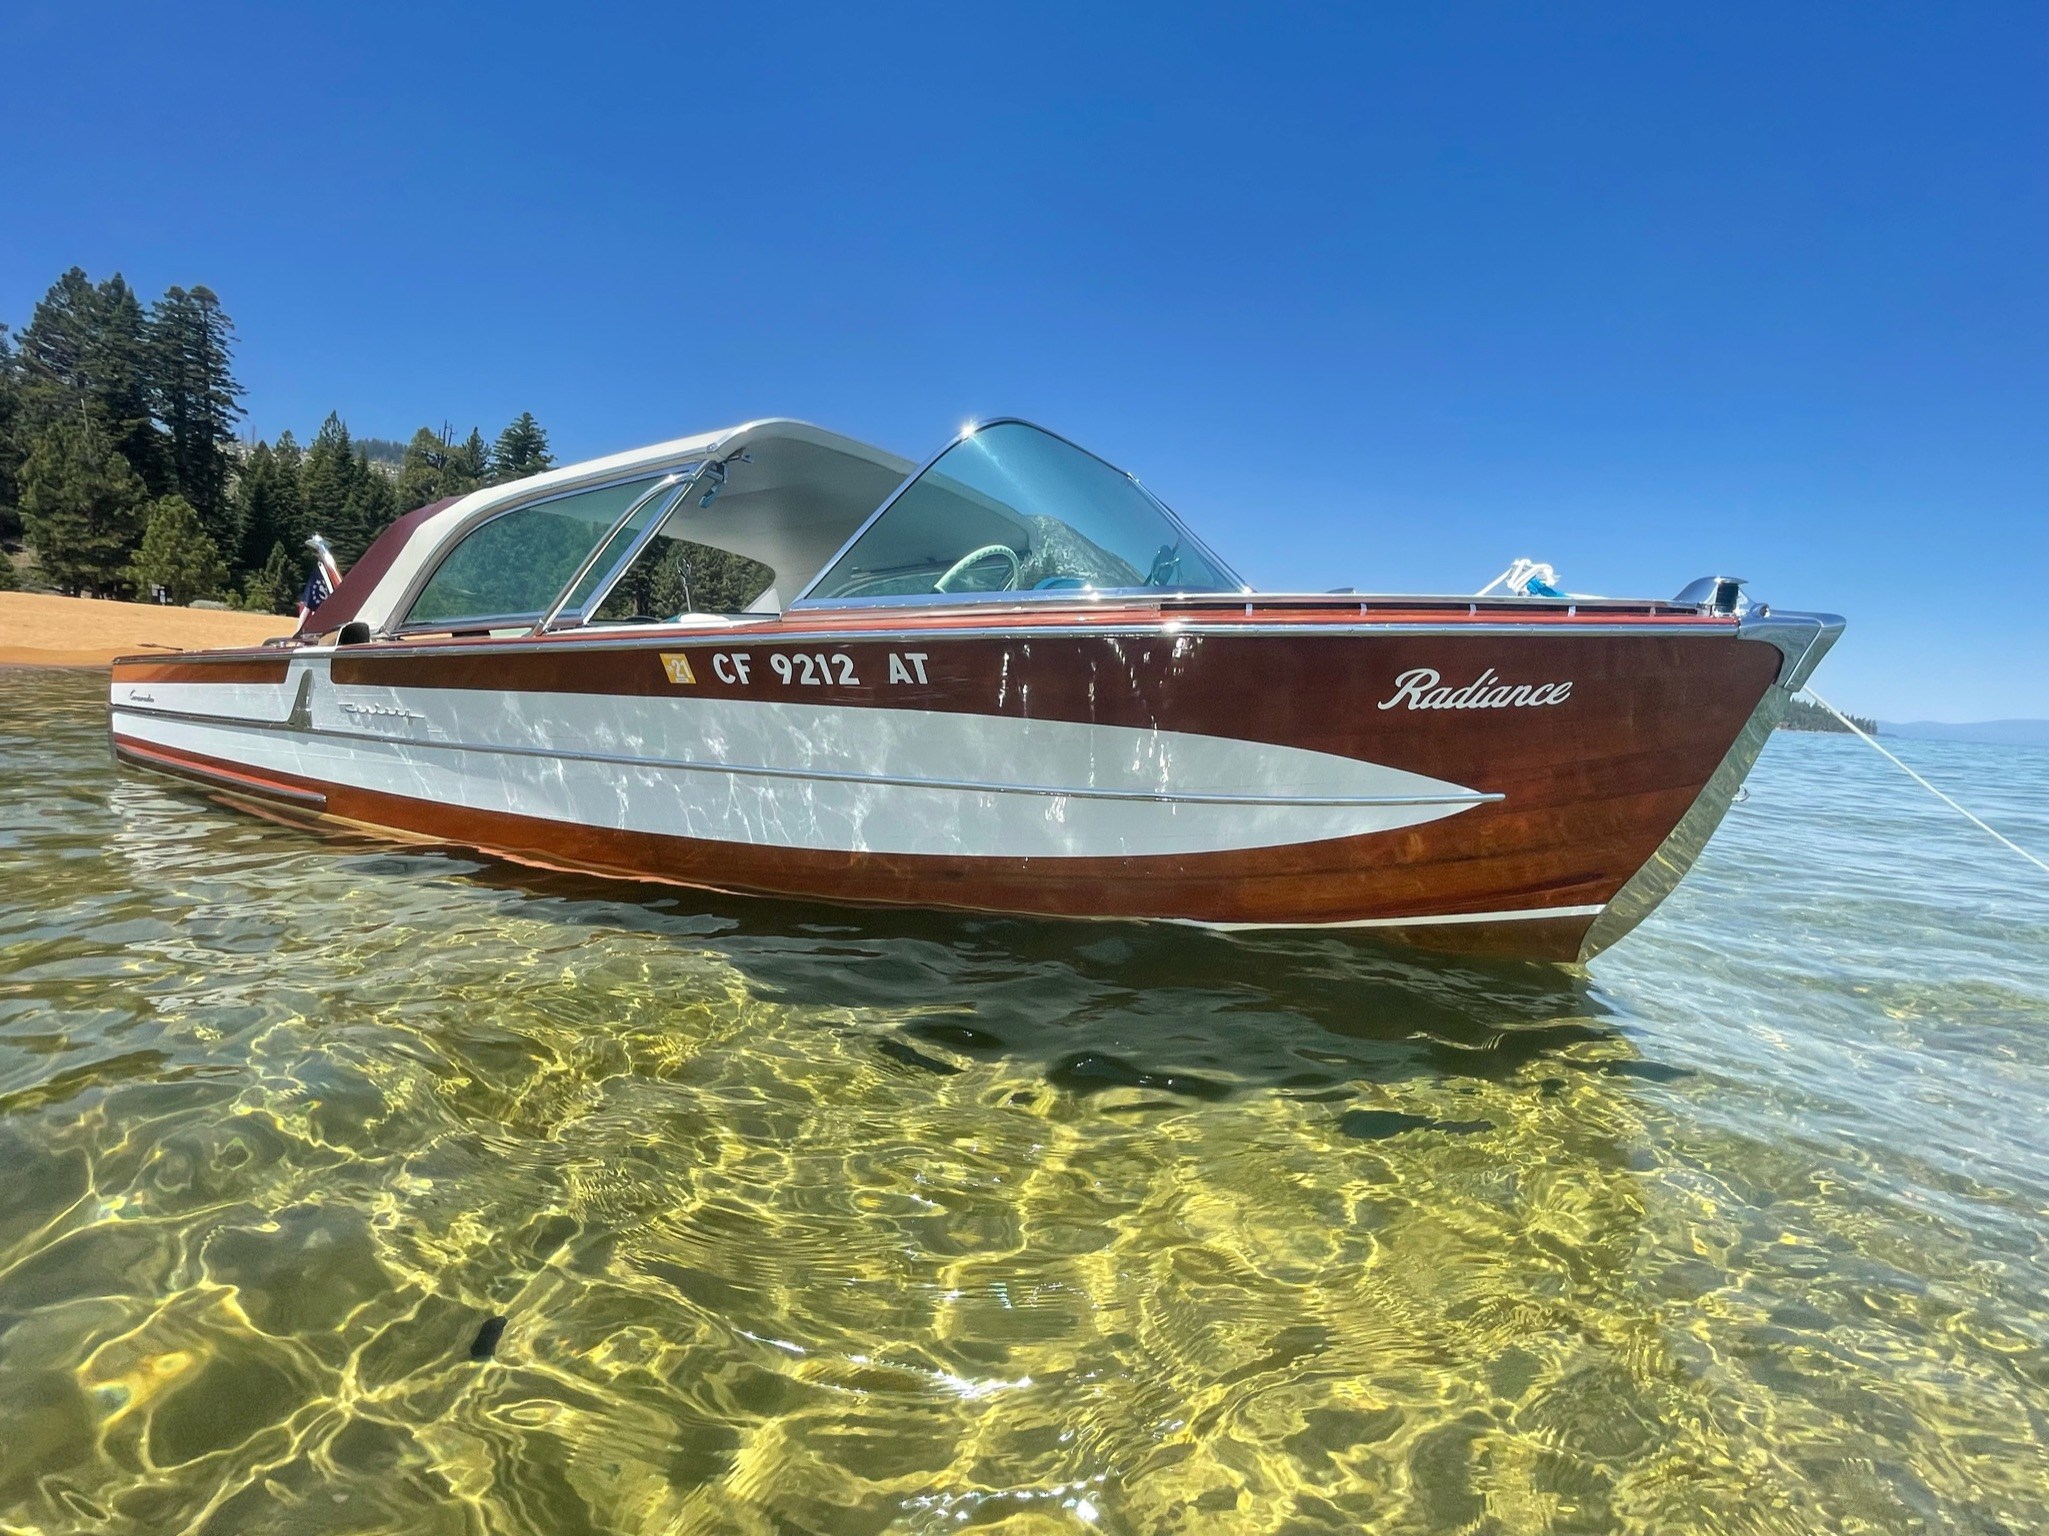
801,495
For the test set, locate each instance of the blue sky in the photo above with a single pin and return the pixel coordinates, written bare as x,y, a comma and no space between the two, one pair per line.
1382,299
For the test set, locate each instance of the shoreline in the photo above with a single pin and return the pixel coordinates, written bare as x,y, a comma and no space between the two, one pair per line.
40,629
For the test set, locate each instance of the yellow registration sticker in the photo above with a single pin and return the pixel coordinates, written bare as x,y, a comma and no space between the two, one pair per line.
677,665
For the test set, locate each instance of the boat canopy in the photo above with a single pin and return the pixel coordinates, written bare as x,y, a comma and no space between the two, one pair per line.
742,521
732,521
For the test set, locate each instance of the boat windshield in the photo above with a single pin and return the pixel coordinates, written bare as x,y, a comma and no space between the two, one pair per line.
1012,508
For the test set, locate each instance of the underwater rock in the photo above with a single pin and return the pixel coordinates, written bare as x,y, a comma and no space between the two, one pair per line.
485,1344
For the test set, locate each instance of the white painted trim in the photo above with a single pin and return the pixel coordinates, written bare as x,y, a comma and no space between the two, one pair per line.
820,776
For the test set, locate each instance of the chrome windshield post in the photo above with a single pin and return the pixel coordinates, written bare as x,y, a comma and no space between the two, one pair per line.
683,483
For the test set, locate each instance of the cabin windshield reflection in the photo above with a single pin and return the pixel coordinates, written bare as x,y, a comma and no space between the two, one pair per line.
1013,509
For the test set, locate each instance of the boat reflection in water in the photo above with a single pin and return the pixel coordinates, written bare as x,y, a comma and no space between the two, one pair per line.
775,661
1145,1013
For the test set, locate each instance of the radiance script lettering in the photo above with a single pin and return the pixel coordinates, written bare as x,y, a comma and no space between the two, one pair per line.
1423,688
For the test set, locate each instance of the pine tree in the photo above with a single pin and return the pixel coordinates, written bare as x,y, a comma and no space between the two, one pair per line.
86,344
327,478
267,509
194,394
10,579
469,465
291,461
269,588
370,505
55,347
177,554
347,500
124,392
424,471
82,506
521,450
10,440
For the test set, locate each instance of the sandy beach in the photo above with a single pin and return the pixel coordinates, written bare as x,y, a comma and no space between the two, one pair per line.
40,630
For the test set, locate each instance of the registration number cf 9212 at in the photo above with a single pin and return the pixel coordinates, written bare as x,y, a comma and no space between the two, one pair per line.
791,669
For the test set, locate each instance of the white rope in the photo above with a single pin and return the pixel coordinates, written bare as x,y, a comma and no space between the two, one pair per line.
1872,741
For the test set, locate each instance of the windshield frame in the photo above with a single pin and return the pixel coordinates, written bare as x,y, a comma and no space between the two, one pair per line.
1067,595
651,476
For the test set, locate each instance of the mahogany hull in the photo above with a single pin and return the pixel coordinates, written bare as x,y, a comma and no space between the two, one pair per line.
1463,781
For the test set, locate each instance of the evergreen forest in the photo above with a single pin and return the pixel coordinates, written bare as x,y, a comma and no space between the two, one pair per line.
124,472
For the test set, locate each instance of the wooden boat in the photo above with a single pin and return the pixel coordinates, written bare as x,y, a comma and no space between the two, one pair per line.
775,660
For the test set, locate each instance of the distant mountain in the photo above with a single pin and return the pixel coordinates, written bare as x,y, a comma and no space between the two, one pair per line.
2008,733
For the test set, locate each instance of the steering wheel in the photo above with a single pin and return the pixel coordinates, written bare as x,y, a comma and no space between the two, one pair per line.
974,557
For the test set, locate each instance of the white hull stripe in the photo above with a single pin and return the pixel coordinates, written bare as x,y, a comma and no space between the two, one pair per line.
1462,800
840,778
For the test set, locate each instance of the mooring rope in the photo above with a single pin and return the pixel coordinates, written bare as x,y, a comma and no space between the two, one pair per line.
1872,742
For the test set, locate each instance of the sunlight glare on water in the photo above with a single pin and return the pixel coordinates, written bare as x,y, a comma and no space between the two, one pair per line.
815,1221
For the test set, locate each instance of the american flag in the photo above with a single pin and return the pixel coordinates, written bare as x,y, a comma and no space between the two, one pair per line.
325,578
315,592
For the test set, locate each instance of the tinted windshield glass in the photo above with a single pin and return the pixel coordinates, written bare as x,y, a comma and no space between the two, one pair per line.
512,567
1015,509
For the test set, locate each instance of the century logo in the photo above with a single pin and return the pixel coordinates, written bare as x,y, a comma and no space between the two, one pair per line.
1424,688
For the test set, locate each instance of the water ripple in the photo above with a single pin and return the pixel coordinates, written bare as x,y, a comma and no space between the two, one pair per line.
801,1220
